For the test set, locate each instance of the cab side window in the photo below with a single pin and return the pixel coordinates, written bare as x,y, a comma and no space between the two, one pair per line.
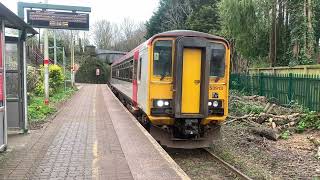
162,58
217,61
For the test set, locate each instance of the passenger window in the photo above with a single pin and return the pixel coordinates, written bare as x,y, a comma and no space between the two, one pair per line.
162,57
217,62
140,64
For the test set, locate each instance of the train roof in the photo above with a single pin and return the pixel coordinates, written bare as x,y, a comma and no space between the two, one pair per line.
185,33
174,33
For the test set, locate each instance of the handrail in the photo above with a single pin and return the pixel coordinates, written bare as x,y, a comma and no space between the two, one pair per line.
38,55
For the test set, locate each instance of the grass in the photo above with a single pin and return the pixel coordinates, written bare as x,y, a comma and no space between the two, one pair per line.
38,111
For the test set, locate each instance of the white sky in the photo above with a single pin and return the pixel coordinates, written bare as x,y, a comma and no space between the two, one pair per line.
112,10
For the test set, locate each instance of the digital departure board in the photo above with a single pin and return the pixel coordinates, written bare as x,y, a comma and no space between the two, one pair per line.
58,20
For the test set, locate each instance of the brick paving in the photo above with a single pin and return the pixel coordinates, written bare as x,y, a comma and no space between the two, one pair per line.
92,137
80,143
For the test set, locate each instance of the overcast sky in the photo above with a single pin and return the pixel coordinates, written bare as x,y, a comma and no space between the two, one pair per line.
112,10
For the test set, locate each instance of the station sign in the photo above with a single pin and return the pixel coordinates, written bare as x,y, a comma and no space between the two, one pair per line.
58,20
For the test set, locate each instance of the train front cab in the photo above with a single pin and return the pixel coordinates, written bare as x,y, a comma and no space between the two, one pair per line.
188,90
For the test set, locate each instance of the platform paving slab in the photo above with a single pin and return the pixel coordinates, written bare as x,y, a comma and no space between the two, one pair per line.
92,137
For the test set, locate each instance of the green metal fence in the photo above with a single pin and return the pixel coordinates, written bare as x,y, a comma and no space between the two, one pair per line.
286,89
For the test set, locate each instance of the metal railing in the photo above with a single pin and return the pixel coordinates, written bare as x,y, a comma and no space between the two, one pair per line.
35,55
285,89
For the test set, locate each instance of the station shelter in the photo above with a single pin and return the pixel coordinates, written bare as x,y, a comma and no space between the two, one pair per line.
13,67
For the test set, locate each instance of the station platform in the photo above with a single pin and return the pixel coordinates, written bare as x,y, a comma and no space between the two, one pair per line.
93,136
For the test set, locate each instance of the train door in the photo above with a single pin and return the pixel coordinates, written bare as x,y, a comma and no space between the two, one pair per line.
191,82
191,78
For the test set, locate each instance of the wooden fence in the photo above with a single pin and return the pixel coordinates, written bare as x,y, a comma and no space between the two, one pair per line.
303,69
285,88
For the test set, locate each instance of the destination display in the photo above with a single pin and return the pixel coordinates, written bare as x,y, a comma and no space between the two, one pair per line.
58,20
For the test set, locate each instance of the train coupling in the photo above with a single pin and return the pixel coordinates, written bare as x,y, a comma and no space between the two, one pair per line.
190,127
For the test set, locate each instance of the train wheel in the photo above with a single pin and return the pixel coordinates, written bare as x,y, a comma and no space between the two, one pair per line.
145,122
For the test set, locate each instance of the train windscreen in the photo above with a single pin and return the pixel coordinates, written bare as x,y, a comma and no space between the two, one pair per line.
217,61
162,58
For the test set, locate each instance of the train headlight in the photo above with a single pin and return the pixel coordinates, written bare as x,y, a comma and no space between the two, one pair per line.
215,104
160,103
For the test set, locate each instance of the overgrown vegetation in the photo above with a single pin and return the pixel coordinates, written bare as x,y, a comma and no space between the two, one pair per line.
87,71
56,80
37,110
261,32
310,120
199,15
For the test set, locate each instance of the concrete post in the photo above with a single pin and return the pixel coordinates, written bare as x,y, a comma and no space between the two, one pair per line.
25,99
55,46
64,67
4,89
72,59
46,64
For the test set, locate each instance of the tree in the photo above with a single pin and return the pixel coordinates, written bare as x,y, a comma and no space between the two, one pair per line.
121,37
102,34
199,15
261,32
171,15
204,17
273,35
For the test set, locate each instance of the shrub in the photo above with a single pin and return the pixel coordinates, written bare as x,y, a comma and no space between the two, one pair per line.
309,121
33,78
56,80
87,72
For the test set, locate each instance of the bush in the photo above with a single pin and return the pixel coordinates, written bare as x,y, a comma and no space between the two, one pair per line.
56,80
87,72
33,78
38,111
309,121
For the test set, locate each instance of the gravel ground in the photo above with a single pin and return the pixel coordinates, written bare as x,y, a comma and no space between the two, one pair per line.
264,159
199,164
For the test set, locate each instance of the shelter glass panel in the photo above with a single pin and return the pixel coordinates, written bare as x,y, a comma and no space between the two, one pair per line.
12,85
11,56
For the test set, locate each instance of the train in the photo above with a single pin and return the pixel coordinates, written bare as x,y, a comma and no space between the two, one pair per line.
176,84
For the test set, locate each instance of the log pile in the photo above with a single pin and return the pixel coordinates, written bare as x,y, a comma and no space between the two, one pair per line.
268,123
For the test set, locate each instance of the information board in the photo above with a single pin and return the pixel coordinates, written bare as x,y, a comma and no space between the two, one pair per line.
58,20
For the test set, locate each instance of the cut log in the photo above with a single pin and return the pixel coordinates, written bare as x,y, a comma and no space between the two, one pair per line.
267,107
274,126
265,132
270,108
235,98
236,118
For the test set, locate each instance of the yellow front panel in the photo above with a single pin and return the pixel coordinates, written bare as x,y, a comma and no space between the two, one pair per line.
191,78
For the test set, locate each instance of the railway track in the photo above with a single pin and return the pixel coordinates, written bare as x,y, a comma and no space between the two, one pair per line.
203,164
229,166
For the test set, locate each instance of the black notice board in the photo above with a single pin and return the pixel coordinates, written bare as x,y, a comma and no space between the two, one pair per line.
58,20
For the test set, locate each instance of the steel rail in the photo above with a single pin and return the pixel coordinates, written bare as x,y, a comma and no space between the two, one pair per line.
229,166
